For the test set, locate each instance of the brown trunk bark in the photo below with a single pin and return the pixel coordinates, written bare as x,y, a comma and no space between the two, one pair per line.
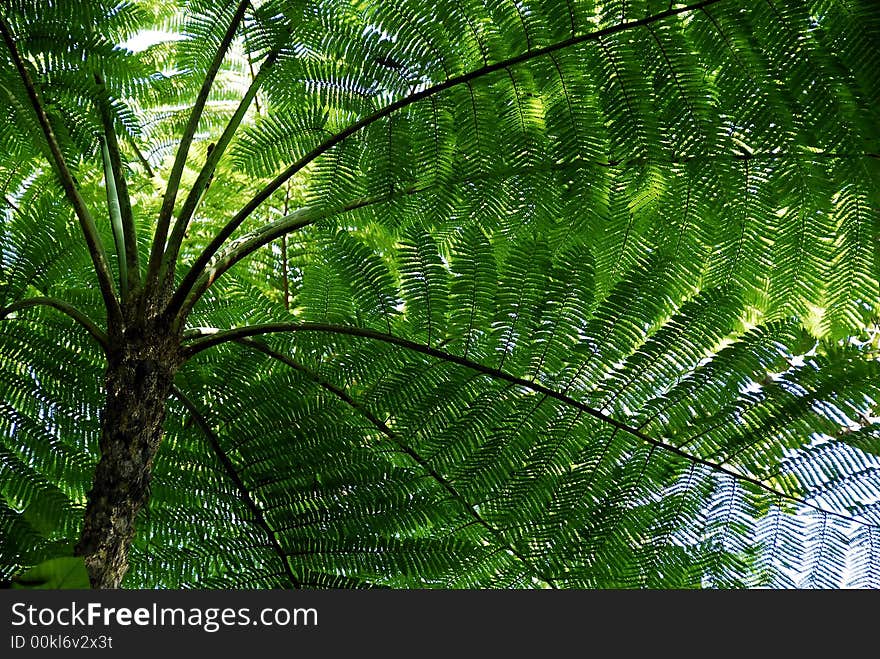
139,375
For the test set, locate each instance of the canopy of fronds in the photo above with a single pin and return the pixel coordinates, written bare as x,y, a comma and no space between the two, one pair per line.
562,293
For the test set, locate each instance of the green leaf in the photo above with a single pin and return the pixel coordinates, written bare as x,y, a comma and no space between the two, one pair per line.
64,573
44,517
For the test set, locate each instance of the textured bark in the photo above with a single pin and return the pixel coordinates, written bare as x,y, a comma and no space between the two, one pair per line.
142,364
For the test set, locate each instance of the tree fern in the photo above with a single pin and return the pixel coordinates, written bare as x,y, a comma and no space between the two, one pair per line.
450,294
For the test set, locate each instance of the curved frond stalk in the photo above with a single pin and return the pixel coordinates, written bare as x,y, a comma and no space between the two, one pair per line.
228,465
11,204
87,224
115,218
196,282
68,309
206,339
118,198
391,108
404,448
169,259
163,223
139,154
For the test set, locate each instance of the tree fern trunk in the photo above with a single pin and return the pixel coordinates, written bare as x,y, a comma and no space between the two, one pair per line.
139,377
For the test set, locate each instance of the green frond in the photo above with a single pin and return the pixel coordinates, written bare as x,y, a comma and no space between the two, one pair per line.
481,294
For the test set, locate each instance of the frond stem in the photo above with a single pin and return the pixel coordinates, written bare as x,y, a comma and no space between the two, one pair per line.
87,224
207,338
60,305
259,517
401,445
207,172
115,218
198,279
121,195
164,221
